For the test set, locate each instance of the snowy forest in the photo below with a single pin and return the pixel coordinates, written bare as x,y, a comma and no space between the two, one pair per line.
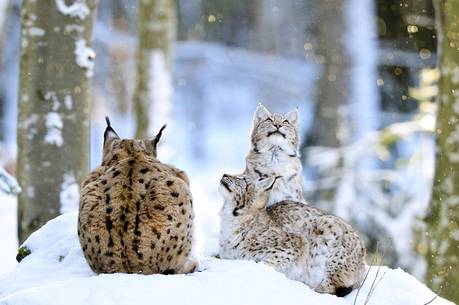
374,83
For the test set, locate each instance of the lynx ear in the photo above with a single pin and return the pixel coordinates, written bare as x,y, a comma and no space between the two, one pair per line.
109,133
261,113
292,116
264,186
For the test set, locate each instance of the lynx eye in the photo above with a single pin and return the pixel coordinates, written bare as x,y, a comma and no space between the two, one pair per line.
269,120
285,121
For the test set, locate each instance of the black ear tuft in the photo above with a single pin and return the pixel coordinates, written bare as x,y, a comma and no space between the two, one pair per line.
158,136
109,133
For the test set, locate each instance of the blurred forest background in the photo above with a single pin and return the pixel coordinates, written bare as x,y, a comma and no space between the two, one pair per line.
362,72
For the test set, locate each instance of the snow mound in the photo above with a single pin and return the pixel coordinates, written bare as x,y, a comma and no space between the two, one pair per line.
57,273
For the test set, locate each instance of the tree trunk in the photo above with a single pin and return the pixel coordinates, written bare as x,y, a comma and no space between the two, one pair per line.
53,128
153,93
334,81
443,219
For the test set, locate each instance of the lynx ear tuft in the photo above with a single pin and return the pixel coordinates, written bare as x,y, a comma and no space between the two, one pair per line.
261,113
109,131
157,138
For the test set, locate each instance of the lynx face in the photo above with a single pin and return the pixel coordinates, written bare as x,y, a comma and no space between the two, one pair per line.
241,193
274,129
116,149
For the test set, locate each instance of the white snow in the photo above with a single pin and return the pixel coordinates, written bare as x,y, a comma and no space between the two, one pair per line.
8,229
160,89
68,102
73,28
160,97
8,183
54,125
84,56
77,9
57,273
70,194
34,31
52,96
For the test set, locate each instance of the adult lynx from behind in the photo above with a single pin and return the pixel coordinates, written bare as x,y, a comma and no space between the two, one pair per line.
136,213
274,154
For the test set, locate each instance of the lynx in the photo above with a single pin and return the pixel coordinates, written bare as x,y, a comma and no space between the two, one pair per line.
274,153
136,213
305,244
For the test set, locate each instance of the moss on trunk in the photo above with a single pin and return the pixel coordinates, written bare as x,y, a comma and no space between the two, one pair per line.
443,218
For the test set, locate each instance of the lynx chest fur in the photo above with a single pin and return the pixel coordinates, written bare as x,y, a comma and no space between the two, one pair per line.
136,213
274,154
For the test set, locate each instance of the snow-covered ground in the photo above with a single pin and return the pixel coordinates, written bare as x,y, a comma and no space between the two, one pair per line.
8,229
57,273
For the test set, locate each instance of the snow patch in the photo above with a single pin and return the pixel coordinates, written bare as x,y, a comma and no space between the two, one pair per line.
84,56
69,28
51,95
160,95
70,194
68,102
78,9
8,229
57,273
160,89
34,31
54,125
8,183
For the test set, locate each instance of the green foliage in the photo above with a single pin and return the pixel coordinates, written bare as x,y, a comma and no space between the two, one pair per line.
23,251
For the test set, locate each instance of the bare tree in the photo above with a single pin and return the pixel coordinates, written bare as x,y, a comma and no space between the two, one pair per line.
56,63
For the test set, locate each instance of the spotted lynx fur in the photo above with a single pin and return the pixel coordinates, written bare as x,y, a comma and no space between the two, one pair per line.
274,153
136,213
305,244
